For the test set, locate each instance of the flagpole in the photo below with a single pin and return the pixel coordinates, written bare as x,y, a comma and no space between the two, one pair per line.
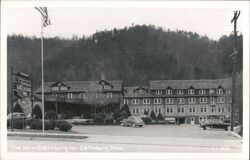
42,72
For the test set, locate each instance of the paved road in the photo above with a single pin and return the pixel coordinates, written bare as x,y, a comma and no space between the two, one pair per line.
155,138
185,131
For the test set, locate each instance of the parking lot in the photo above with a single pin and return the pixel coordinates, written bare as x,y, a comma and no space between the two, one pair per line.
182,131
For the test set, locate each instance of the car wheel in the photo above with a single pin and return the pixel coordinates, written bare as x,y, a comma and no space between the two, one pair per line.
207,127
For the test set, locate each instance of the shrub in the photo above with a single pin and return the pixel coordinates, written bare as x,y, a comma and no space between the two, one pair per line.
28,121
51,115
87,115
159,117
36,124
50,124
152,115
109,120
17,123
146,119
99,119
64,126
67,115
145,112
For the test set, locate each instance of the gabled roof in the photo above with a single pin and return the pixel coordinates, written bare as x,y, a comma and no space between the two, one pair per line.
185,84
81,86
130,92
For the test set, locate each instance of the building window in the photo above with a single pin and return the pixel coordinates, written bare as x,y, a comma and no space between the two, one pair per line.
107,87
228,91
137,110
100,87
125,101
193,109
202,91
229,100
63,88
222,109
203,100
212,100
167,110
157,101
191,100
135,101
219,91
56,88
109,95
219,109
171,110
82,95
182,110
220,100
190,110
54,94
169,91
158,92
181,100
70,95
159,110
146,101
180,92
205,109
229,109
190,91
201,109
179,110
169,100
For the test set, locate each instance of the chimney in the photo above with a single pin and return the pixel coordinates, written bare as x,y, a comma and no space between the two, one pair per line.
102,73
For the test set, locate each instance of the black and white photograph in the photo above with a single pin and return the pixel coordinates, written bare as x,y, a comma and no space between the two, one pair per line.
143,79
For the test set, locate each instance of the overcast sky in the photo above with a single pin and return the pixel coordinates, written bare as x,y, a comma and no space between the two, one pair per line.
85,21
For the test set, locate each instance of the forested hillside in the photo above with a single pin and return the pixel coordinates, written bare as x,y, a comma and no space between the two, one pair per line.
133,54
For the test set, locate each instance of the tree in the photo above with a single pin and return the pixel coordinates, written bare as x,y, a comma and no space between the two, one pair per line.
159,117
197,72
152,115
145,112
126,109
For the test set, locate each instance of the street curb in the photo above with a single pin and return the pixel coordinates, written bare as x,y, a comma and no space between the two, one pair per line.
45,135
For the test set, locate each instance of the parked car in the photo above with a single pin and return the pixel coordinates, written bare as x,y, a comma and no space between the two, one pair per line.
16,115
214,123
132,121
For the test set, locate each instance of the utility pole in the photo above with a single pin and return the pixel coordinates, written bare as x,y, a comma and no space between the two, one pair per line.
234,58
11,96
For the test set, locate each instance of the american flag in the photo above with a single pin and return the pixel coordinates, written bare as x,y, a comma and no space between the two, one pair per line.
44,13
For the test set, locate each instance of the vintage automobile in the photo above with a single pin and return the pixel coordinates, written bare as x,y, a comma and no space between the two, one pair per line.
16,115
214,123
132,121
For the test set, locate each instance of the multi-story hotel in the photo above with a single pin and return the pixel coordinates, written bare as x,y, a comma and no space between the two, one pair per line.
188,100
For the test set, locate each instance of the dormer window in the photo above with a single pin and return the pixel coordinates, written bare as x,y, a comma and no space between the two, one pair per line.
219,91
191,91
107,87
55,88
158,92
179,91
168,91
99,86
63,88
202,91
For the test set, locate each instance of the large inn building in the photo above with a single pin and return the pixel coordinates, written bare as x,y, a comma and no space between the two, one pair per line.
188,100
